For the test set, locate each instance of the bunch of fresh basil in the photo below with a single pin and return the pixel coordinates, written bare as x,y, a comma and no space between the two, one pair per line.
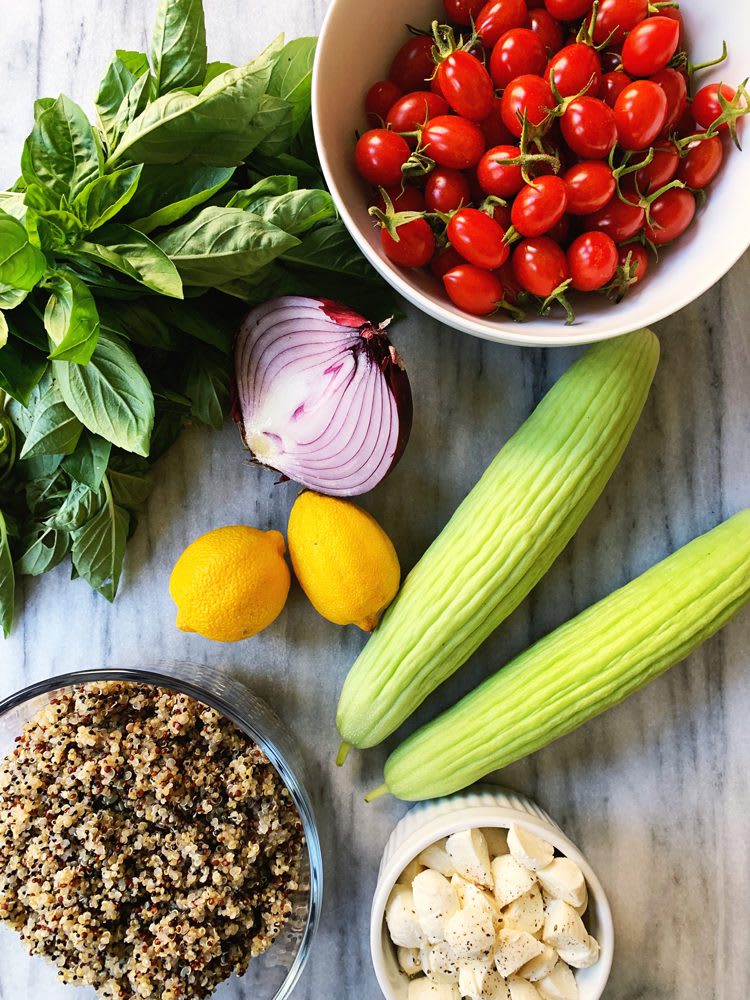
127,248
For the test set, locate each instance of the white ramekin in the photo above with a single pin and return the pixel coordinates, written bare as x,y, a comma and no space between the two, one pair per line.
487,806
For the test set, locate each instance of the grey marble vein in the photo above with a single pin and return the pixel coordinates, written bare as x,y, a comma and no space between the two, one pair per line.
656,793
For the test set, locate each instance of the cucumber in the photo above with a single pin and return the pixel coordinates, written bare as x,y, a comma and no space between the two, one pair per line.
502,539
583,668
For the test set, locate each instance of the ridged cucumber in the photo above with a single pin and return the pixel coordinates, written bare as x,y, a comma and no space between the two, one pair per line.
502,539
583,668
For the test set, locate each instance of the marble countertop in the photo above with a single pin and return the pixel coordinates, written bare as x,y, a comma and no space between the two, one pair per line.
656,793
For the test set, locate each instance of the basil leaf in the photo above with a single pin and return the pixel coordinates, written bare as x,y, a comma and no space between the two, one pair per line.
138,323
292,78
178,47
79,506
61,154
277,184
123,71
110,395
71,318
42,104
42,549
11,297
54,429
275,120
103,198
214,69
21,368
13,203
210,320
223,243
207,385
88,463
165,194
295,212
99,546
3,329
131,481
21,264
213,127
168,426
126,250
7,580
331,248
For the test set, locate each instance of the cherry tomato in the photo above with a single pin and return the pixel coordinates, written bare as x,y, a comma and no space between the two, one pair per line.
674,14
674,86
592,261
568,10
462,11
539,206
686,125
520,51
540,266
619,219
446,190
380,99
660,171
380,154
549,30
511,288
612,86
478,238
640,113
706,106
650,45
404,198
473,289
616,18
590,185
560,232
415,245
575,69
466,85
589,128
495,177
413,65
638,260
493,126
453,142
702,162
411,111
444,261
671,214
530,95
499,16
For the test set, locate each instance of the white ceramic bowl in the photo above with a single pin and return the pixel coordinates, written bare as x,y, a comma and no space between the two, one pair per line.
357,43
487,806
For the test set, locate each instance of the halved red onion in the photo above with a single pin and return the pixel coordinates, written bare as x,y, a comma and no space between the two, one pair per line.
320,395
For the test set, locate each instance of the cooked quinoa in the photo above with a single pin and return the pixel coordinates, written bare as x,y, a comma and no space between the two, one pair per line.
147,846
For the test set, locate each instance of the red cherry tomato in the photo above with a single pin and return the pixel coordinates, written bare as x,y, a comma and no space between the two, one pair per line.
612,86
415,245
671,214
650,45
540,266
589,128
404,198
499,16
675,14
616,18
660,171
495,177
706,106
674,86
511,289
493,126
444,261
413,65
638,260
686,125
539,206
462,11
560,232
549,30
619,219
453,142
380,99
520,51
478,238
466,85
592,261
590,185
380,154
568,10
530,95
446,190
411,111
473,289
640,113
575,69
701,163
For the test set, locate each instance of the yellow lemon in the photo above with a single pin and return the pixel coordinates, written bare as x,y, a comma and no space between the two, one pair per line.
230,583
344,561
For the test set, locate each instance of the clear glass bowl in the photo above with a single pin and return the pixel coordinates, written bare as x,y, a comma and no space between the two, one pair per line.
273,975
